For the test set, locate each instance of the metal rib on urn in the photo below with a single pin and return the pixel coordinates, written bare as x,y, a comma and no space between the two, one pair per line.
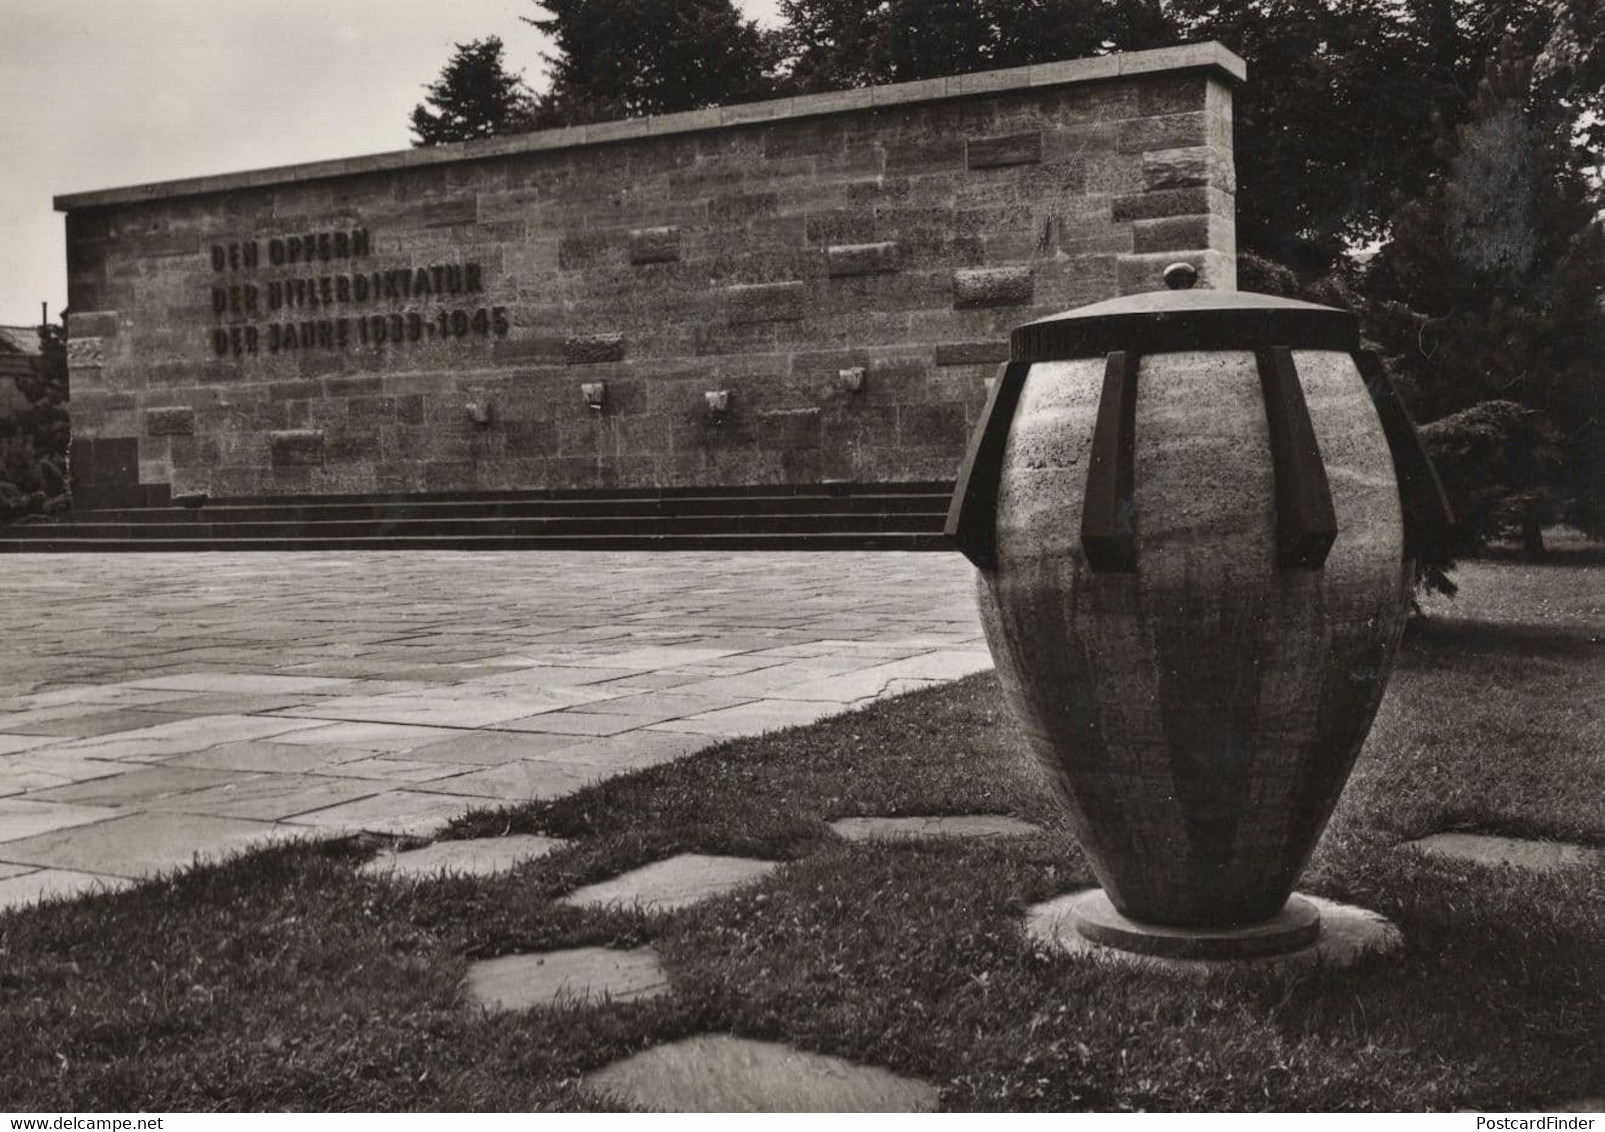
1193,582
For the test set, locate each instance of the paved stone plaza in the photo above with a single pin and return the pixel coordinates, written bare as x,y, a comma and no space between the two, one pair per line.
158,707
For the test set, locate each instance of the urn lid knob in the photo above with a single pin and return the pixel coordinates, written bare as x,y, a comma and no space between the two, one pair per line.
1181,276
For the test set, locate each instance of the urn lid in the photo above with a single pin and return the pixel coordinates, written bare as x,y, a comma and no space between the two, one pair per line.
1184,319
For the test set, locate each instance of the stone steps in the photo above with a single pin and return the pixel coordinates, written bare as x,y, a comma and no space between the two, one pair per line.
814,517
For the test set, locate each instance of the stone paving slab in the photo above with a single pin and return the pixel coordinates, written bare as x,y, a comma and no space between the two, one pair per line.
633,750
479,856
661,705
99,721
138,785
400,813
271,756
529,780
22,817
721,1073
246,686
390,738
392,770
75,697
141,844
461,705
677,882
237,682
37,771
194,733
273,797
957,825
592,725
578,975
753,718
1495,852
226,703
492,748
29,886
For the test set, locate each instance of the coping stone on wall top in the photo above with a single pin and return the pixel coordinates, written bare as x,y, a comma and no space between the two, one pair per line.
1210,55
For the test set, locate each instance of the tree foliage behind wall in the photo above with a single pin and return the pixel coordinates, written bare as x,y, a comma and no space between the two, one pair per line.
833,44
475,97
1489,292
33,442
628,58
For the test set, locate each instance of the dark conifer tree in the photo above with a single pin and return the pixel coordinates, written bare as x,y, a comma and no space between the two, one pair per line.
1489,290
630,58
833,44
475,97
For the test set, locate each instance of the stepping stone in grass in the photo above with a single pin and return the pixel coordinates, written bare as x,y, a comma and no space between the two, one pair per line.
1479,849
958,825
678,882
582,974
483,856
720,1073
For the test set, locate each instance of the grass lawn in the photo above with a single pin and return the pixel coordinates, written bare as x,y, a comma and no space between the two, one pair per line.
285,980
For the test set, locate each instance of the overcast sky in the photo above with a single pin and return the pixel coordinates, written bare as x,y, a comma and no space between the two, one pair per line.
100,93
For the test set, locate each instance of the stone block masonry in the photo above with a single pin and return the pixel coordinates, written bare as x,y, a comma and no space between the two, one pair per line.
425,321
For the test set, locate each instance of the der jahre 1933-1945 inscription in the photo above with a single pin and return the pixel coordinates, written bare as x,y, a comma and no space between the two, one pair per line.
268,315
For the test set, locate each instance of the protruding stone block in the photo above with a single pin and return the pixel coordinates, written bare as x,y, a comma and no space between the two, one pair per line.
575,253
1010,149
170,420
302,447
862,259
1166,131
1187,167
655,245
738,208
590,349
92,324
991,287
1193,201
85,352
1171,233
766,302
972,353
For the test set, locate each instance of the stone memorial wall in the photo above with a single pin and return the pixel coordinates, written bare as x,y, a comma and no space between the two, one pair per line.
796,291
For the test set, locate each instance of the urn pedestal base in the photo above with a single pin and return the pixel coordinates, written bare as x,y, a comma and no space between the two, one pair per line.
1296,926
1343,934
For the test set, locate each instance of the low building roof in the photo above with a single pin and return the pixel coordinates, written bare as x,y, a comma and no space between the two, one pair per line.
19,340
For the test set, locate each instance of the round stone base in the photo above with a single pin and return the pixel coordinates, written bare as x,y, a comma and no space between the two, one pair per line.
1344,934
1296,926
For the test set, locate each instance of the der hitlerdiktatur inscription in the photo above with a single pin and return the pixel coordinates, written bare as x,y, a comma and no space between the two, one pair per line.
263,315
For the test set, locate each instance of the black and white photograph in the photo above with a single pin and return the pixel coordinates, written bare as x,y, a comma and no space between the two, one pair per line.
802,556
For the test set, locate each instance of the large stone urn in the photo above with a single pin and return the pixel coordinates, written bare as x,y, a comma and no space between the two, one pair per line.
1194,514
